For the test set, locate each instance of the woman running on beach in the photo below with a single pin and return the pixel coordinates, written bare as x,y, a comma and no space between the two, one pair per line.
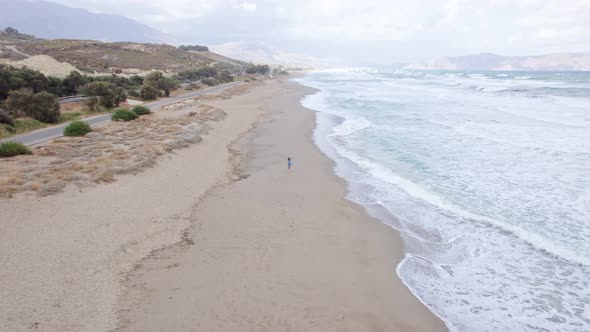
289,165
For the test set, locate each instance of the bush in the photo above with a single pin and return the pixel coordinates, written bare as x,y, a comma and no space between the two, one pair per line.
133,93
74,81
55,86
225,77
148,92
159,82
6,130
123,114
137,80
6,118
9,149
109,94
141,110
258,69
197,74
77,128
45,108
12,78
193,48
41,106
280,71
93,104
210,81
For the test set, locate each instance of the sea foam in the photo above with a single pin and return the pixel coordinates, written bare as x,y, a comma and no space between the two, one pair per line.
488,186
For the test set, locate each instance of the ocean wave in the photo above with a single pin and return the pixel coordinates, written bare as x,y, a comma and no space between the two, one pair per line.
379,171
481,254
351,125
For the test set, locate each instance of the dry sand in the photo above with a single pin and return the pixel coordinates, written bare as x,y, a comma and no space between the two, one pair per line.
194,243
108,151
276,252
47,65
63,256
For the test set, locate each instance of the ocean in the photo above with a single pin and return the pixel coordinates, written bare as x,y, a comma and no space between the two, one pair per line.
486,175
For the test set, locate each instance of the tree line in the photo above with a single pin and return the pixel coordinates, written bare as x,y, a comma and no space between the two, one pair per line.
25,92
193,48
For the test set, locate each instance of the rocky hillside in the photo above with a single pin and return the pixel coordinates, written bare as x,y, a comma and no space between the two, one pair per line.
487,61
105,57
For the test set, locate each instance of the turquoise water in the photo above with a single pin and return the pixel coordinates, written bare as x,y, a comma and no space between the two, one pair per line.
487,177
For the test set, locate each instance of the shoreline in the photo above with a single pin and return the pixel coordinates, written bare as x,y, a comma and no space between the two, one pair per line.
344,169
287,263
216,236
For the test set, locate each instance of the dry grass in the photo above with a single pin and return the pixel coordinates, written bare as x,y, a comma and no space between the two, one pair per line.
225,94
233,91
117,148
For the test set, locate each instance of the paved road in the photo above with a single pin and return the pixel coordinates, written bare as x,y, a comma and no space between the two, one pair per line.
72,99
45,134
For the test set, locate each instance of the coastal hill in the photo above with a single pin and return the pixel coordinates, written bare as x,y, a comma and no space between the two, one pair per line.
488,61
91,56
51,20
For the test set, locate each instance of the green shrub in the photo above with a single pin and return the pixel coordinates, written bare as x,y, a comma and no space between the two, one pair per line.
42,106
6,130
159,82
9,149
55,86
210,81
136,79
123,114
258,69
6,118
93,104
74,81
193,48
148,92
133,93
77,128
197,74
141,110
12,78
108,94
225,77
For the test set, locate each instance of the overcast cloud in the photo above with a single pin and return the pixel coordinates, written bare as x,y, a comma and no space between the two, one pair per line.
366,31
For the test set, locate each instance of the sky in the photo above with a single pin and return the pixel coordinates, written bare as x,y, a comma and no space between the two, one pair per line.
369,31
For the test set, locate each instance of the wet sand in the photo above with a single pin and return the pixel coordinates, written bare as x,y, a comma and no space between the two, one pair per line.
269,251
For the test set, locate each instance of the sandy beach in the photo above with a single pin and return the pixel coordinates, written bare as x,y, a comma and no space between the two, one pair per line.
215,237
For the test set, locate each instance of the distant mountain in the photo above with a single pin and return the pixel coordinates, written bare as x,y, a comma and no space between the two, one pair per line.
262,53
50,20
488,61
